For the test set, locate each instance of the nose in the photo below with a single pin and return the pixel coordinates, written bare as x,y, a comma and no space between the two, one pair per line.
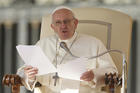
63,25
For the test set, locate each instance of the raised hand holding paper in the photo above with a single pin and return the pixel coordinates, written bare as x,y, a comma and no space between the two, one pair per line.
34,56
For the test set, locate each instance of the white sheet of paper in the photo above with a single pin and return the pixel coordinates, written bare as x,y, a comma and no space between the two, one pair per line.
73,69
34,56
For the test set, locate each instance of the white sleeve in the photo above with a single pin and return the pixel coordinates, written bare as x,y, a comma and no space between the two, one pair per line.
29,84
104,64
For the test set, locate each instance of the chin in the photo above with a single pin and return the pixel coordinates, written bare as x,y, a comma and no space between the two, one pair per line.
65,38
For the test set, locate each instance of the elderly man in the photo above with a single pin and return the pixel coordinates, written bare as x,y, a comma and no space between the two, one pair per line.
64,25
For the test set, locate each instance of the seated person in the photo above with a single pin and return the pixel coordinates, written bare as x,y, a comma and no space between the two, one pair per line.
64,24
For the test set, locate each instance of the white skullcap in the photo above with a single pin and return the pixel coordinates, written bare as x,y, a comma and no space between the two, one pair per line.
61,7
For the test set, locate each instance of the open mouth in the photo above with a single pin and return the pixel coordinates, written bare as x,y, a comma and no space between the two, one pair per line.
64,31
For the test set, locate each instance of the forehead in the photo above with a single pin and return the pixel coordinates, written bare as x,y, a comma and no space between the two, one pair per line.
62,14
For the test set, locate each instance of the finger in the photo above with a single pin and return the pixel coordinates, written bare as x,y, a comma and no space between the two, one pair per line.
86,73
31,70
32,73
27,67
32,77
29,73
88,79
87,76
83,77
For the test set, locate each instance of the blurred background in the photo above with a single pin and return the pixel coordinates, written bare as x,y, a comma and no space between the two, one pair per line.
20,22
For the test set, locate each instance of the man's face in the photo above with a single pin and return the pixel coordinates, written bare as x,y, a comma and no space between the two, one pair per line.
64,24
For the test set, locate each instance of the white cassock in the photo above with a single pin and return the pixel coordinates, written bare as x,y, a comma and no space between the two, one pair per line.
82,46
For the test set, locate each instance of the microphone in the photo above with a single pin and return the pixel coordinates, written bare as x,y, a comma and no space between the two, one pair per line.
124,73
64,46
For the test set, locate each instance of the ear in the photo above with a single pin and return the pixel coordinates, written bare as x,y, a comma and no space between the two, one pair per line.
76,22
53,27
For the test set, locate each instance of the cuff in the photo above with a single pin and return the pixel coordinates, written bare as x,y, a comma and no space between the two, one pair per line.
30,84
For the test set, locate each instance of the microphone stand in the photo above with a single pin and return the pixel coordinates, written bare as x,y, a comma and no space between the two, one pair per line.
64,46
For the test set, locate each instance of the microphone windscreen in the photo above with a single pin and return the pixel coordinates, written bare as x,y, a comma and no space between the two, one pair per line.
63,45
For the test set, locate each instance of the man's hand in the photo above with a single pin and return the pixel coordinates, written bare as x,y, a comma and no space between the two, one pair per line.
87,76
30,72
